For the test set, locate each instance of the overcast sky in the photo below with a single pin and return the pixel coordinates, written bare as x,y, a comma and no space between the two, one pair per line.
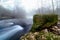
28,5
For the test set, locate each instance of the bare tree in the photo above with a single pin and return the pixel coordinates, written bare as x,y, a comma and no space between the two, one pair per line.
42,5
53,5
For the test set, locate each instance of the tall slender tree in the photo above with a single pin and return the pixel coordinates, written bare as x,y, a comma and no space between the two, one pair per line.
41,6
53,5
57,6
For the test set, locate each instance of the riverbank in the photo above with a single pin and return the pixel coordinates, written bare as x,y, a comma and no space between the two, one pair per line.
43,35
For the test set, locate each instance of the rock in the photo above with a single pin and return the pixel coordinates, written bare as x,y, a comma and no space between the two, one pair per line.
58,25
55,27
45,30
58,29
36,33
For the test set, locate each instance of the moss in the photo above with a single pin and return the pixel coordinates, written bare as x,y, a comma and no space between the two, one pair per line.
44,21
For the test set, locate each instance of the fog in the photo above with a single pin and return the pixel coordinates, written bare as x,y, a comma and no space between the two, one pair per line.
16,17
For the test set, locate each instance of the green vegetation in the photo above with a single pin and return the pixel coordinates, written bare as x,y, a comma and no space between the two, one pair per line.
40,24
44,21
40,36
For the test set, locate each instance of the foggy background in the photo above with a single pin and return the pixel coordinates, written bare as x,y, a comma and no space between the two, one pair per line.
19,10
27,8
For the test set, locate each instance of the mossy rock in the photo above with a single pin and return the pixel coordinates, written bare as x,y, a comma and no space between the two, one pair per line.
44,21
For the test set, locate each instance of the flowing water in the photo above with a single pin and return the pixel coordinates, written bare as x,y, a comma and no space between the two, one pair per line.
11,31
